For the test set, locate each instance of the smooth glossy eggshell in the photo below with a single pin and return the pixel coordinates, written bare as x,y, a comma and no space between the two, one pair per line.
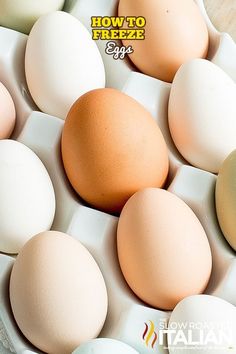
226,198
27,196
202,111
62,62
175,32
105,346
20,15
163,250
57,292
7,113
207,322
111,148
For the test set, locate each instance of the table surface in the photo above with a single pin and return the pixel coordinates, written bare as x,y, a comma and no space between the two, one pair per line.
223,15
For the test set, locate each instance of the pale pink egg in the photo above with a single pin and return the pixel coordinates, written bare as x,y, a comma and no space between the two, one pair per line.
7,113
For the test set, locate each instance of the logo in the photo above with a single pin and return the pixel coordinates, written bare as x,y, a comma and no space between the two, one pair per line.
149,334
118,28
189,335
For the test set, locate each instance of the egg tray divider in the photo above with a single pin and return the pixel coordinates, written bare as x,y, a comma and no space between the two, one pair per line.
97,230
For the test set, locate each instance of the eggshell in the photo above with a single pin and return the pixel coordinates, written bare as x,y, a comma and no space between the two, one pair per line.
27,196
226,198
175,32
57,293
205,314
163,250
7,113
20,15
112,147
61,63
105,346
202,111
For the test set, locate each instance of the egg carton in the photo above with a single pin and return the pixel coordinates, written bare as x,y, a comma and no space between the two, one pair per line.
127,314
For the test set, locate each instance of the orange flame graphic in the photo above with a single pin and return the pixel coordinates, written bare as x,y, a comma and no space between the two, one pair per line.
148,334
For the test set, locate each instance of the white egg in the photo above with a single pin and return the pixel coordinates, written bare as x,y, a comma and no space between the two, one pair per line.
20,15
27,196
104,346
117,71
202,324
62,62
202,112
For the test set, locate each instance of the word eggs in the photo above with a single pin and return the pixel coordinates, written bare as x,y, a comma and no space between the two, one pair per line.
112,147
62,62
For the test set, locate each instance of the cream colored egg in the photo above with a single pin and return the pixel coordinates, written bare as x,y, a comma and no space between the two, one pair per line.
57,292
62,62
202,111
27,196
202,324
20,15
226,198
163,250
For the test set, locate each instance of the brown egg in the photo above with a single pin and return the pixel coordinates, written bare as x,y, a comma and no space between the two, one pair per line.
111,148
175,32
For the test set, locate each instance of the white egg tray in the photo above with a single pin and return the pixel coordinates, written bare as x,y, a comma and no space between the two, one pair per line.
127,315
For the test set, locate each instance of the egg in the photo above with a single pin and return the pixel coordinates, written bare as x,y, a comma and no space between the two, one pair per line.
105,346
175,32
202,324
20,15
112,147
62,62
226,198
202,111
57,293
7,113
163,250
27,196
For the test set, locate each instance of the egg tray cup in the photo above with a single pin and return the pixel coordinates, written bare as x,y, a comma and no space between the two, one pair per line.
127,314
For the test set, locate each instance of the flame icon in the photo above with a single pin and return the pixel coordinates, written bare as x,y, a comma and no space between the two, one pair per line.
148,333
